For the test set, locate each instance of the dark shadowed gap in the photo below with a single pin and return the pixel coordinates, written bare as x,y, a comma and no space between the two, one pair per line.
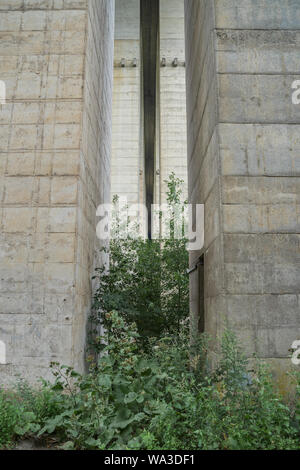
149,44
201,324
197,304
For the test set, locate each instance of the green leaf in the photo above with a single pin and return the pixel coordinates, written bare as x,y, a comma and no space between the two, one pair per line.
104,380
69,445
131,397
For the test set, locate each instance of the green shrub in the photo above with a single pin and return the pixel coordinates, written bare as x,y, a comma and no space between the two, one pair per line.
9,417
232,408
154,399
111,405
147,281
24,411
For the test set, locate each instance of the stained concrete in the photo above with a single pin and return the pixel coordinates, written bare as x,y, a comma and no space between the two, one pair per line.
243,165
56,58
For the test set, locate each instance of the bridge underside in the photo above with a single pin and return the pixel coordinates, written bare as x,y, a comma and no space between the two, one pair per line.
243,164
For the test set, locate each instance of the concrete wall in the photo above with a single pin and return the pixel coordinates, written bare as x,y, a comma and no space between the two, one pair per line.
203,168
127,151
56,61
172,154
244,164
128,178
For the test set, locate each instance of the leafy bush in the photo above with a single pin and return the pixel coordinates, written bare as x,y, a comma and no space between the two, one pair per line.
296,414
228,409
114,403
133,399
23,411
9,416
146,281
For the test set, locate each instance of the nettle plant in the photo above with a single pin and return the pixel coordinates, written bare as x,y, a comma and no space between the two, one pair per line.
146,280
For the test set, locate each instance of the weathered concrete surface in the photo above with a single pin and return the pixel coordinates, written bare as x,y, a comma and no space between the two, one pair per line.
171,130
56,60
127,152
128,173
243,153
203,147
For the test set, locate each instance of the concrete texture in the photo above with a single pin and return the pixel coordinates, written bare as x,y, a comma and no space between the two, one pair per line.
128,172
243,164
127,155
56,60
172,154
